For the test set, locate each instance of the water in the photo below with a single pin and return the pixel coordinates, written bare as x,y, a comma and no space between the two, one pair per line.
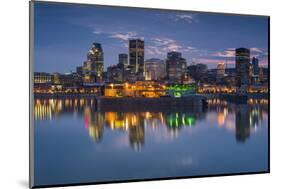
76,144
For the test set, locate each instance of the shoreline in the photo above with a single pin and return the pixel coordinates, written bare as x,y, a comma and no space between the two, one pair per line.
95,96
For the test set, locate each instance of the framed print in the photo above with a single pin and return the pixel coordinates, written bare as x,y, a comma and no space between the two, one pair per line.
121,94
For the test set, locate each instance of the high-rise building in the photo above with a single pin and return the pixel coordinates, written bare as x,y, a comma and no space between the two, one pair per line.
95,61
264,74
220,71
155,69
242,66
175,66
123,60
136,56
255,63
123,65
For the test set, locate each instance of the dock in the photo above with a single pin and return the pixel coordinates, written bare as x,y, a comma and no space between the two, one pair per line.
192,102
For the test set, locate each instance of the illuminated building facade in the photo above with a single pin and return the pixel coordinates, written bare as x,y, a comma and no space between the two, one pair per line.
155,69
206,88
242,66
42,78
94,65
175,66
180,90
220,71
255,63
69,79
136,57
149,89
114,74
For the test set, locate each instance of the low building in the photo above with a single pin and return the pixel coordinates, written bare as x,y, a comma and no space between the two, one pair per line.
42,78
180,90
148,89
114,74
69,79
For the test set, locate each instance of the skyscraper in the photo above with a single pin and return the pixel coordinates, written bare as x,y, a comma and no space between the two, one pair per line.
155,69
175,66
255,62
136,59
220,71
242,66
94,61
123,60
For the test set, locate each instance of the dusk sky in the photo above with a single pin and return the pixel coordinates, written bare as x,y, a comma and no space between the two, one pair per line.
64,33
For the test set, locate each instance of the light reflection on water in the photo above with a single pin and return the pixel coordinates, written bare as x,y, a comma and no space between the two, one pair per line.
189,137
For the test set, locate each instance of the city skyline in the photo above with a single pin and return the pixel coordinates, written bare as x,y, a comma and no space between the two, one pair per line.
173,94
63,35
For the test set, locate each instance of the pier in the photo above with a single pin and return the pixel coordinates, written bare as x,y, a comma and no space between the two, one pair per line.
192,102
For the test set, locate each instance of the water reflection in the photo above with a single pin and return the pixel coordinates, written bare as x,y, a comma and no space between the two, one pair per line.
242,120
247,117
74,142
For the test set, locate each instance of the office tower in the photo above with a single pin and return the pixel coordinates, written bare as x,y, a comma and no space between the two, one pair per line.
242,66
155,69
136,56
175,66
255,63
123,65
220,71
123,60
95,61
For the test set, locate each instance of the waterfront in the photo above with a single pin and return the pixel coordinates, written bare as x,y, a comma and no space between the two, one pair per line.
75,143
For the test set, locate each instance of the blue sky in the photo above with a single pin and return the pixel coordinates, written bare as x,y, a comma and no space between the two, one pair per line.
64,33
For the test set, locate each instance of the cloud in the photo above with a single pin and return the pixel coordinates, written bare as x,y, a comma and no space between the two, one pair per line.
97,32
124,36
213,61
263,62
231,49
190,18
160,46
190,48
154,51
256,50
117,35
229,53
